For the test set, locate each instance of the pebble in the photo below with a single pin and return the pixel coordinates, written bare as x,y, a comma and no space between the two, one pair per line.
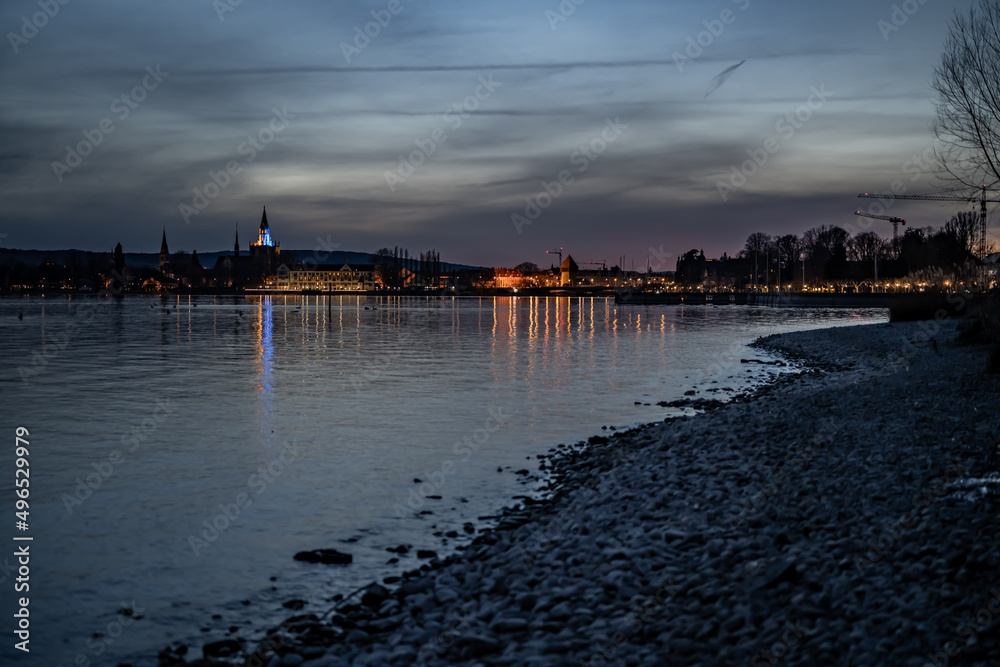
712,538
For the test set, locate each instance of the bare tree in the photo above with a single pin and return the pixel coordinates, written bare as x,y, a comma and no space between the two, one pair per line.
788,247
757,244
866,247
967,82
826,247
965,227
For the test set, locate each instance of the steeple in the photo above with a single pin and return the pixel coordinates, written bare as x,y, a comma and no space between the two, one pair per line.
263,235
236,246
164,252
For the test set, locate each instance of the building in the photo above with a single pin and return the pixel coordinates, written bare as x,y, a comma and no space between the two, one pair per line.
568,271
510,279
164,251
265,251
327,278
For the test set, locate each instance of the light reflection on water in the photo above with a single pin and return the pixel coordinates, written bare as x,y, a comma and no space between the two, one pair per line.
322,414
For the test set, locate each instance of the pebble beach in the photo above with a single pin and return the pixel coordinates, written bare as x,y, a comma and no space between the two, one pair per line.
846,514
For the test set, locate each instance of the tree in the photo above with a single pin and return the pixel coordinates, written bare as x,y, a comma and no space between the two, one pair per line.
967,82
527,268
387,267
826,247
757,244
965,227
788,248
118,277
913,251
866,247
119,259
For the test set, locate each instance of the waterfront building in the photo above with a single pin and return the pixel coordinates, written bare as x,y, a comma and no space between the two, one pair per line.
327,277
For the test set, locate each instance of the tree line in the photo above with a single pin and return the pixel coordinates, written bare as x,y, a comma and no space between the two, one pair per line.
831,254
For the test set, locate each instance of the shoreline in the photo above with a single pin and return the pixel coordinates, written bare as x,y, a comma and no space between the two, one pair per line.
720,536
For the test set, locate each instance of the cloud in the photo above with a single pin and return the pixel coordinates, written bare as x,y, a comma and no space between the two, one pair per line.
721,77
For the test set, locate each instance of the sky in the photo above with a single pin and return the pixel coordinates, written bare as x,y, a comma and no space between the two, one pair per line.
492,132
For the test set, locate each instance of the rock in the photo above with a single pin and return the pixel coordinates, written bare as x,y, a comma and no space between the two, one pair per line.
561,611
426,553
814,465
512,624
324,556
476,646
374,595
223,648
445,595
357,636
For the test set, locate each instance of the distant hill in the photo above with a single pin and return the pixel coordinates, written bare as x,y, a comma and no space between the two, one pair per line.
207,259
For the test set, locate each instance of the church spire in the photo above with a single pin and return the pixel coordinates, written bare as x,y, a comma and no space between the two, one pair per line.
164,252
236,245
263,221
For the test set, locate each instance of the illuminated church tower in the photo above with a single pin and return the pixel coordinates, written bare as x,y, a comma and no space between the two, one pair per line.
264,245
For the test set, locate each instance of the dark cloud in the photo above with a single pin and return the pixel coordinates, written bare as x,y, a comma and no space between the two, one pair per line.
325,174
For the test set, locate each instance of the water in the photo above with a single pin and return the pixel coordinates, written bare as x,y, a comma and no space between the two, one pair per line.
291,425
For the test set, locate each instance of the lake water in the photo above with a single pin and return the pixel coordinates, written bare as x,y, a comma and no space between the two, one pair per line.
183,449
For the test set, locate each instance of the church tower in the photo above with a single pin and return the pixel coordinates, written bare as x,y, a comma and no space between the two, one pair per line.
236,246
264,245
164,252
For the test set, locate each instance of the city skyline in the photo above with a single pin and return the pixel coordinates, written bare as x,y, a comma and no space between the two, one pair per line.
634,121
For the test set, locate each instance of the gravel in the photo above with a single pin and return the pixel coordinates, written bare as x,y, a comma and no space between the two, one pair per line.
844,515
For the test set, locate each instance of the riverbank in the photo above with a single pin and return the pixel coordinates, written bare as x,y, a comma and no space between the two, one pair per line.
816,523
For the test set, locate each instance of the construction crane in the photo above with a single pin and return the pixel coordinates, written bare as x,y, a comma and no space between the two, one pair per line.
603,263
896,222
970,199
556,252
